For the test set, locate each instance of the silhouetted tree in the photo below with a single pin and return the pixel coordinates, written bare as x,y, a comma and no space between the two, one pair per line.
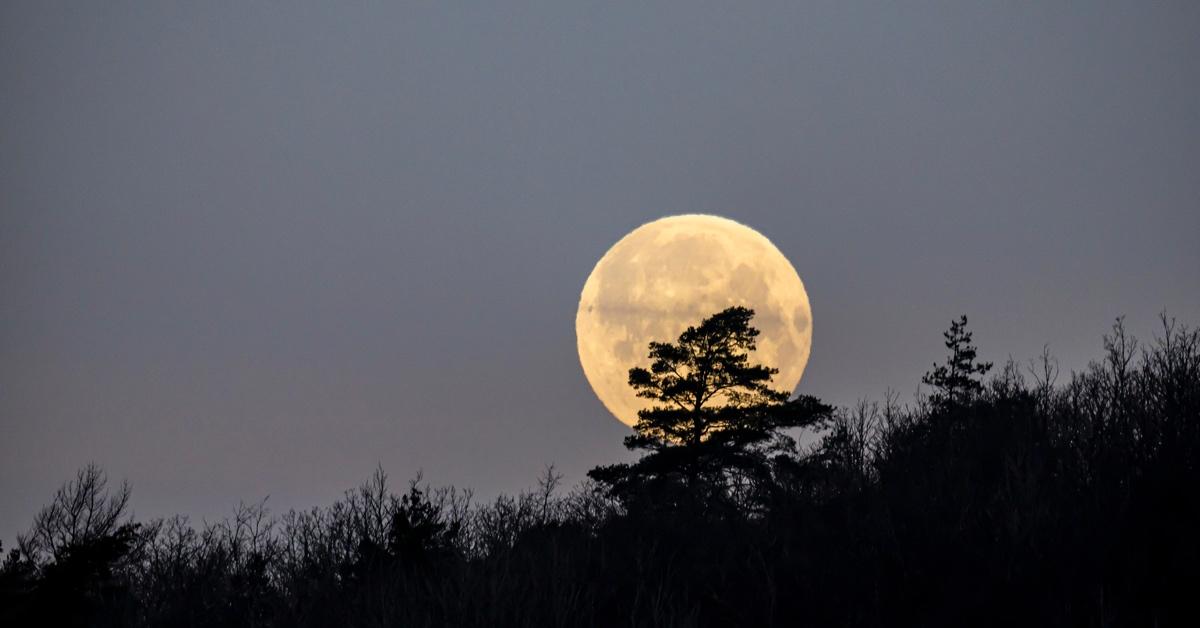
958,379
716,420
74,552
419,529
82,511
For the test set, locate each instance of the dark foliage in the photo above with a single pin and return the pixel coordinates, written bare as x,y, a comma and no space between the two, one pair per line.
1010,501
715,425
957,380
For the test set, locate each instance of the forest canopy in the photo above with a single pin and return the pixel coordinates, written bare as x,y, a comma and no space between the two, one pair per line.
1014,494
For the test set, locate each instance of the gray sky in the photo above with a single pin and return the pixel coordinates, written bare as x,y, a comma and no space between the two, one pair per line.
250,251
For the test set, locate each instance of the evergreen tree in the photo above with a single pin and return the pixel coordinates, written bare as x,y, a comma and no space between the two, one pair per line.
716,418
957,380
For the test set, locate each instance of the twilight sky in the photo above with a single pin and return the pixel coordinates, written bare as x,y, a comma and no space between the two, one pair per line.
250,250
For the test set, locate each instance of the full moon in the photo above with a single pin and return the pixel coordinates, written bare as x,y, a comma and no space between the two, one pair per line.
672,273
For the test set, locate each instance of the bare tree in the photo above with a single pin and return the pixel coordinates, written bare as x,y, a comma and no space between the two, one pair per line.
83,511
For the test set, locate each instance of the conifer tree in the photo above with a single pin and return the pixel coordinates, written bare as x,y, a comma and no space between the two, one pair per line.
957,380
715,413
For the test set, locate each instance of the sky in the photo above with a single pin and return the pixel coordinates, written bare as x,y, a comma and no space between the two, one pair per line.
257,249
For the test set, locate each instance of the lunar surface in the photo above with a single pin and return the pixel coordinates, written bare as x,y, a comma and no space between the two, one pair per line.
672,273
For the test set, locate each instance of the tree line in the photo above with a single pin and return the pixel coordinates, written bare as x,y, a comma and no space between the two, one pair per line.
1002,495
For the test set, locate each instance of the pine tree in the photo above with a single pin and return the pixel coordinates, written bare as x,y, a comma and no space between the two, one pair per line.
716,416
957,381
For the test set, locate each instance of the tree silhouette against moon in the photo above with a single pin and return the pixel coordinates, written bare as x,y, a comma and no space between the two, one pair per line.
670,273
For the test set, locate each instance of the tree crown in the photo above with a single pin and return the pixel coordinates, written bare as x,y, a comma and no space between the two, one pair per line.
715,411
704,382
958,379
